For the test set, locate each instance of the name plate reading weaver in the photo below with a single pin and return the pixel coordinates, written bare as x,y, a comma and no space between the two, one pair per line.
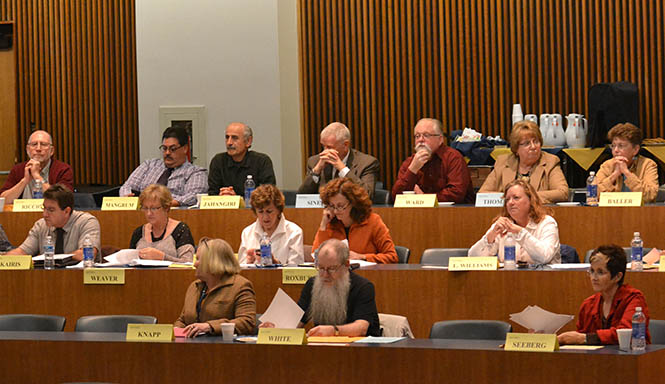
620,199
16,262
411,200
127,203
489,263
292,275
221,202
150,332
281,336
104,276
28,205
531,342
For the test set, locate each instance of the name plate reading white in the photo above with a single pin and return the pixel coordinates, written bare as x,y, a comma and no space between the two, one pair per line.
128,203
473,263
281,336
620,199
308,201
222,202
28,205
494,199
427,200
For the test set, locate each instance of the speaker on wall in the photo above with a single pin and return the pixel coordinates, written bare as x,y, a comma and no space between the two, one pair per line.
6,34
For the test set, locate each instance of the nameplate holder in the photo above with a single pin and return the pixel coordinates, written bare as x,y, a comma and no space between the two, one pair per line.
107,276
28,205
531,342
661,265
281,336
410,200
221,202
457,264
291,275
150,333
16,262
114,203
308,201
620,199
494,199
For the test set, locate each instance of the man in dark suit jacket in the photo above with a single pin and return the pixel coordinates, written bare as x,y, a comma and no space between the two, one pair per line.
338,160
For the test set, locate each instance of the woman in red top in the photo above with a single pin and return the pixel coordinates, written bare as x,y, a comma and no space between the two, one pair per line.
612,307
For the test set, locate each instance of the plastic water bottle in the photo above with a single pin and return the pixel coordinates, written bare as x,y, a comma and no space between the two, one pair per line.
509,252
636,252
591,190
49,250
88,252
266,250
250,186
37,193
638,341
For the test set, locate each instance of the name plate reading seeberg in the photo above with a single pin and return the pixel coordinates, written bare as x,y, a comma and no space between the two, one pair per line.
308,201
28,205
127,203
531,342
16,262
103,276
292,275
281,336
620,199
149,332
221,202
494,199
489,263
412,200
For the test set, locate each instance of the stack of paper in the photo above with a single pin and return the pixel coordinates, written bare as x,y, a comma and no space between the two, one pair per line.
539,320
131,257
283,312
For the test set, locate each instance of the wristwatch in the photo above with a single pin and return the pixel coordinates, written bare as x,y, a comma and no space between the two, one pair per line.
336,330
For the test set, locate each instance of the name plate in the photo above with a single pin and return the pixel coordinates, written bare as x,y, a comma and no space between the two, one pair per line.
103,276
490,263
531,342
620,199
292,275
308,201
281,336
16,262
127,203
150,332
661,265
414,200
221,202
28,205
494,199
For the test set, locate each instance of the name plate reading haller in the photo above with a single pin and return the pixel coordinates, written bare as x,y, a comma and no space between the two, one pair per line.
150,332
494,199
415,200
620,199
489,263
221,202
531,342
308,201
127,203
103,276
291,275
281,336
28,205
16,262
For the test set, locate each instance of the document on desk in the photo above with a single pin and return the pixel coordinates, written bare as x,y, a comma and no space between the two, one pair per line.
379,340
131,258
362,263
541,321
283,311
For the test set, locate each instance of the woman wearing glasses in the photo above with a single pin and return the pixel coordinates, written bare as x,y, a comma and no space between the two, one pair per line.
219,295
612,306
348,215
528,162
627,171
162,238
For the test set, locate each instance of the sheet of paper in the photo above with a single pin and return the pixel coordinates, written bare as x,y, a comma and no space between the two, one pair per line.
362,263
540,320
122,257
379,340
149,263
582,347
333,339
570,266
283,311
59,256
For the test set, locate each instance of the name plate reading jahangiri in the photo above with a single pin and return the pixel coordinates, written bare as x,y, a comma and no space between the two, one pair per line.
150,332
308,201
620,199
531,342
104,276
16,262
494,199
292,275
281,336
457,264
412,200
28,205
221,202
127,203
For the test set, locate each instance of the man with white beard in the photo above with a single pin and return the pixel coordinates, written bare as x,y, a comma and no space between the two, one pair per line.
435,167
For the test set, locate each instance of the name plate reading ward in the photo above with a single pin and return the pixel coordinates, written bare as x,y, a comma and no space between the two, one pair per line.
308,201
292,275
150,332
281,336
127,203
28,205
620,199
661,265
473,263
531,342
103,276
414,200
16,262
221,202
494,199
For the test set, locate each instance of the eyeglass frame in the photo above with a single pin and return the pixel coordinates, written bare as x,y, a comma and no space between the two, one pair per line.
171,149
42,144
330,270
534,142
152,209
337,208
425,135
596,273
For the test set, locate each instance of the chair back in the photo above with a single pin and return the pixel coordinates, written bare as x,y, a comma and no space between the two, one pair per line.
381,197
440,256
289,197
395,326
111,323
657,331
568,254
32,323
470,330
403,254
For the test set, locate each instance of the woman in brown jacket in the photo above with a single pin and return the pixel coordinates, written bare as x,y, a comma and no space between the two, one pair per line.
220,295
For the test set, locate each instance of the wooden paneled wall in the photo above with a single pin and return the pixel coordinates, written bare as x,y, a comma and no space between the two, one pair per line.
76,67
379,66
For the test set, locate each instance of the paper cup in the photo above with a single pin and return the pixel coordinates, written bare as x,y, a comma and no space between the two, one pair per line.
198,198
227,331
624,338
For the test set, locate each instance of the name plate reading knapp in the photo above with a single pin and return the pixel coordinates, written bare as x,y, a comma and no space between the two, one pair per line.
16,262
149,332
531,342
620,199
489,199
308,201
489,263
28,205
221,202
292,275
281,336
412,200
114,203
103,276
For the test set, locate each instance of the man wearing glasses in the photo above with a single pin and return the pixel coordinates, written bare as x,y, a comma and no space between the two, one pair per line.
173,170
41,167
435,167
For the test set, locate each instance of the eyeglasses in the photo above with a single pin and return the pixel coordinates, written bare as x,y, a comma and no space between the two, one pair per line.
598,273
620,146
529,143
171,149
49,210
425,136
151,209
337,208
36,144
330,270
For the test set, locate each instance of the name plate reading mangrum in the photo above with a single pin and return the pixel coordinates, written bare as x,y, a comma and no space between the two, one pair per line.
494,199
150,332
127,203
221,202
16,262
308,201
291,275
281,336
103,276
531,342
28,205
473,263
661,265
414,200
620,199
